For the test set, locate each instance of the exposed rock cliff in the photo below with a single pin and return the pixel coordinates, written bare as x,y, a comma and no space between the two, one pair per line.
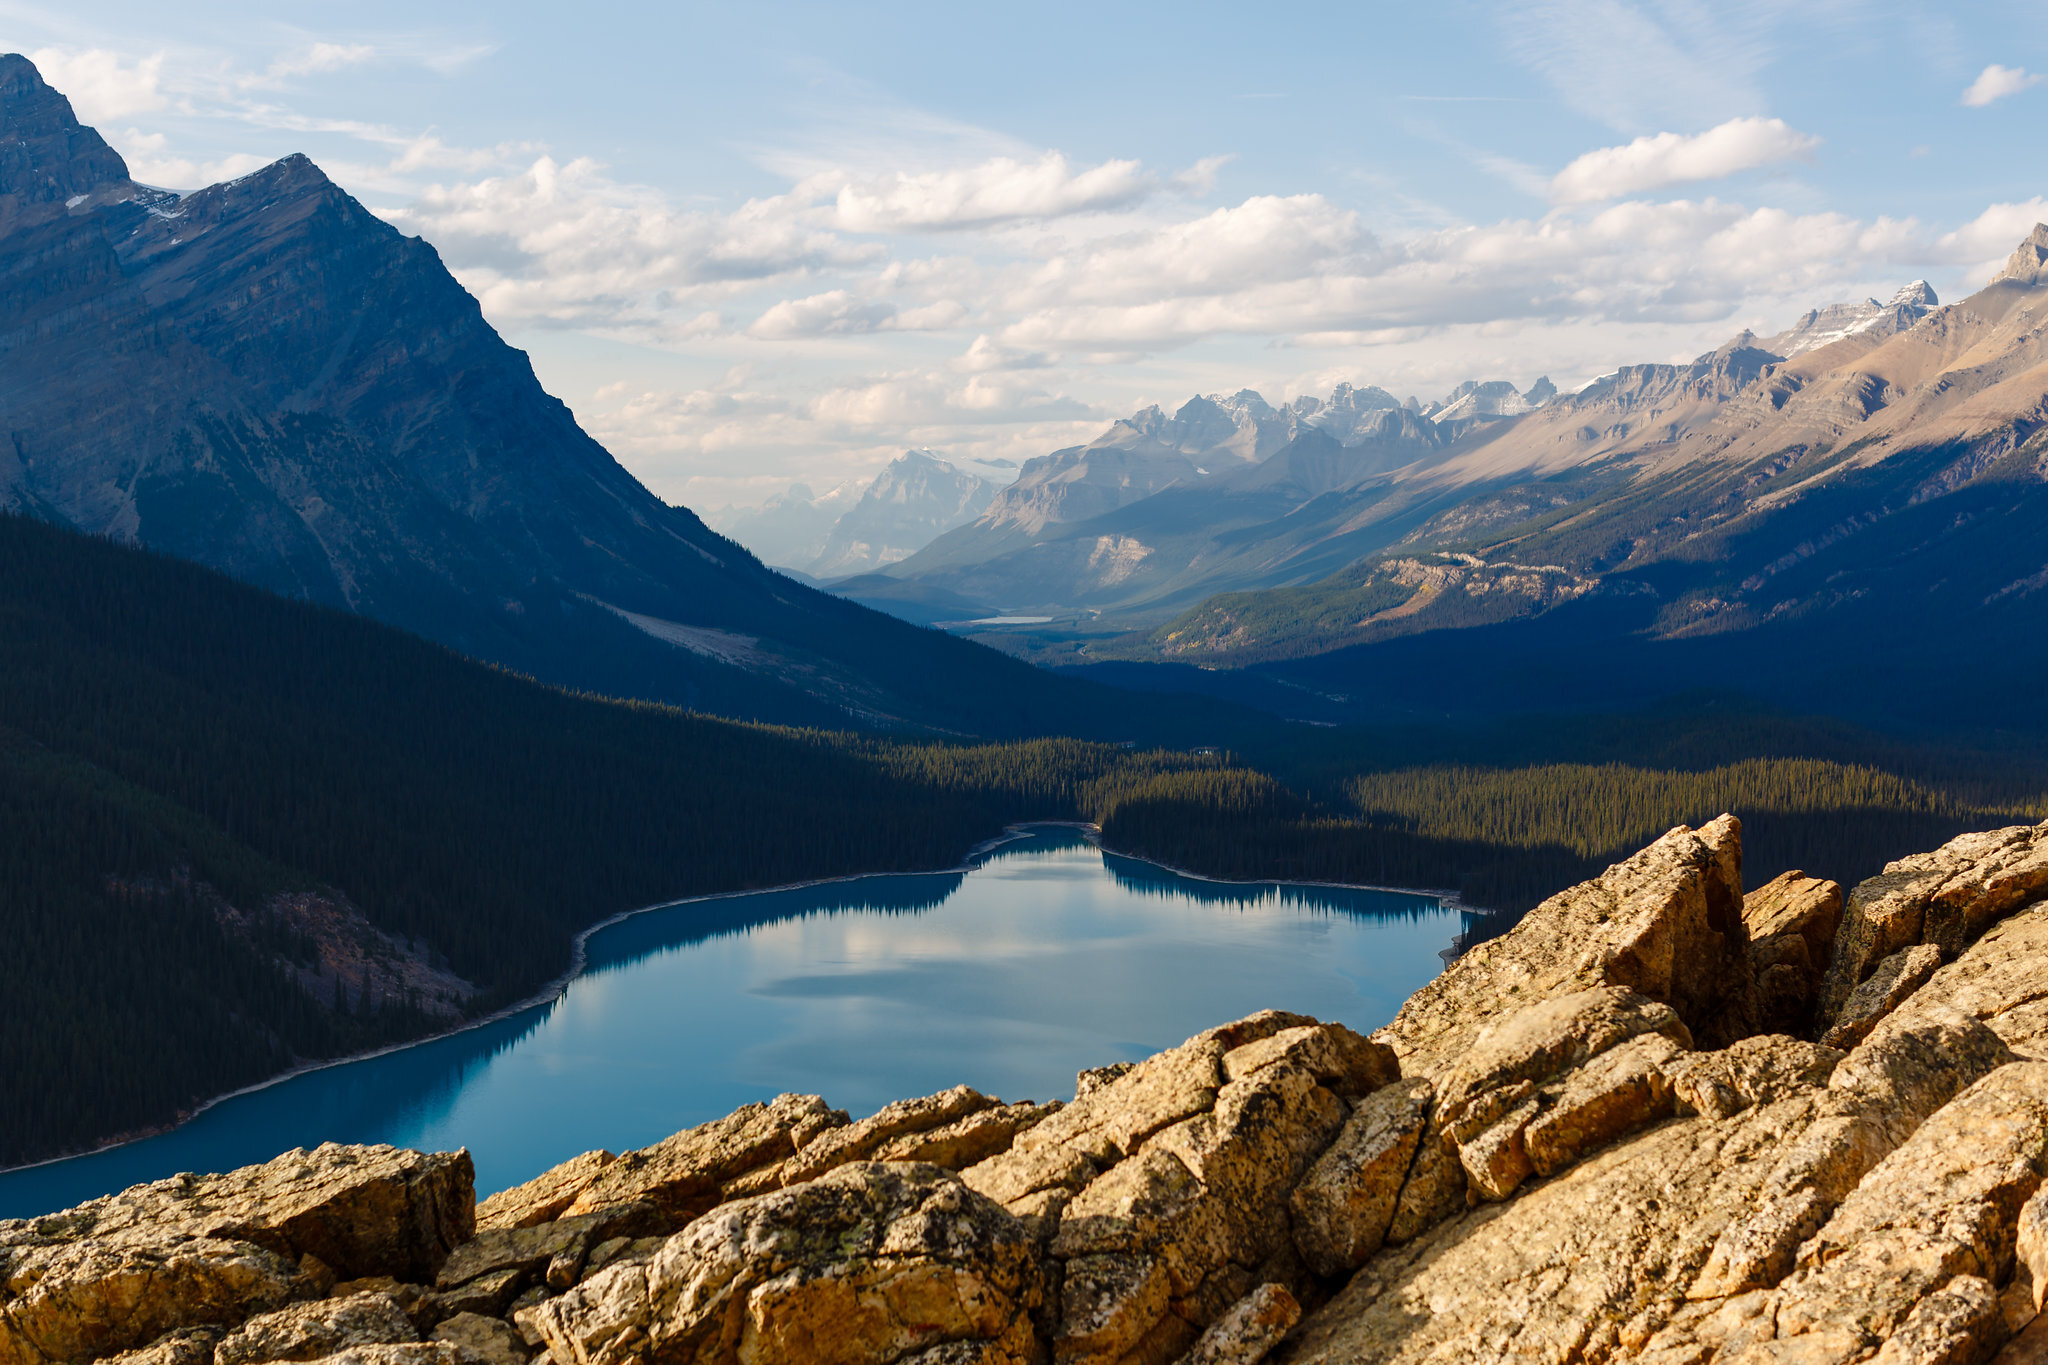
265,377
1661,1120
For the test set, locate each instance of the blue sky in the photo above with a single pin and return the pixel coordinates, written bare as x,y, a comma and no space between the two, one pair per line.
763,243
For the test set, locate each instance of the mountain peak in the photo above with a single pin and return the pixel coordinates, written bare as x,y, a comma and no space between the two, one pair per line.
2029,263
1918,294
46,155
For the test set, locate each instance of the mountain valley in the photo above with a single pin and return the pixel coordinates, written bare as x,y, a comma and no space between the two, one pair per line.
265,377
1871,475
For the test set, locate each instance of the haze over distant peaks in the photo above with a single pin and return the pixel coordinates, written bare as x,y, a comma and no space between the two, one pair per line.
859,526
918,497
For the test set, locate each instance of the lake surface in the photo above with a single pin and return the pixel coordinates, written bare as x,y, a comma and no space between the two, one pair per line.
1046,957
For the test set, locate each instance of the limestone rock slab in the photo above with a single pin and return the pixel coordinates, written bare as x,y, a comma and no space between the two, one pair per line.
858,1141
490,1339
1947,898
2000,981
699,1168
543,1198
1665,923
1344,1206
308,1331
1794,903
1608,1097
1586,1266
1757,1070
1944,1204
869,1263
526,1250
121,1271
1252,1328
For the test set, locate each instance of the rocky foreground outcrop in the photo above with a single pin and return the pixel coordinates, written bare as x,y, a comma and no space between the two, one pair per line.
1660,1121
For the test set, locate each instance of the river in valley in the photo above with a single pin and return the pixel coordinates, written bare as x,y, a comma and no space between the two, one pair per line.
1045,957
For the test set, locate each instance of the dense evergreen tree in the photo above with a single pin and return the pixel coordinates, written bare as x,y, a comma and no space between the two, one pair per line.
175,745
180,753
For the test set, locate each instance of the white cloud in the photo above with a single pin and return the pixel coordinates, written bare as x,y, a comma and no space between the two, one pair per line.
1995,82
314,60
150,163
752,431
837,312
1264,240
1200,178
1651,163
565,244
99,86
833,313
1286,268
985,354
1983,244
1000,190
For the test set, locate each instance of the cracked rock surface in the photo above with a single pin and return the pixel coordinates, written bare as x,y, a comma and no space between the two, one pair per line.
1659,1121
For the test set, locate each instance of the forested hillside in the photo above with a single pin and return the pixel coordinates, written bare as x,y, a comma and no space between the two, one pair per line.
1506,838
243,830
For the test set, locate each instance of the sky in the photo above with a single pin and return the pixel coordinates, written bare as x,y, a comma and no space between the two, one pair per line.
752,245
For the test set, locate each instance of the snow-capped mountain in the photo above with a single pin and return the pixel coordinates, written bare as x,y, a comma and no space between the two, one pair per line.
1349,414
1495,398
1825,326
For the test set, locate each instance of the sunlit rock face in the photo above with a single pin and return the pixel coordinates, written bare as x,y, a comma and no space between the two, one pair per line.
1631,1129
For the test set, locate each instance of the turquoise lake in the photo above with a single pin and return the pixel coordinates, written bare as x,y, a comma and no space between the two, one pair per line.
1045,957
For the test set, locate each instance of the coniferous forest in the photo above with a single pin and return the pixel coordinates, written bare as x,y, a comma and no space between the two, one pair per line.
205,789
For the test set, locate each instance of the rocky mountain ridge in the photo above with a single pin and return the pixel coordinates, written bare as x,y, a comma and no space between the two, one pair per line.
1665,1119
1738,491
1770,480
1824,326
1120,521
264,377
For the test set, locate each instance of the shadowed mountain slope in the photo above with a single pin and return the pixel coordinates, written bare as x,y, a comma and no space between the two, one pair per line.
265,377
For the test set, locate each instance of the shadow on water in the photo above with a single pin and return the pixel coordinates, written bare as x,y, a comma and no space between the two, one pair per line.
1044,956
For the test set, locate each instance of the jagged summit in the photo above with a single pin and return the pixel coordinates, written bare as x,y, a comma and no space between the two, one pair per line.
1824,326
1918,294
1493,398
46,155
2028,263
266,377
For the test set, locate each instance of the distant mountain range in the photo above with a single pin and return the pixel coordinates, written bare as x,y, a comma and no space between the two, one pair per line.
857,528
1872,476
1859,527
1227,492
265,377
1231,494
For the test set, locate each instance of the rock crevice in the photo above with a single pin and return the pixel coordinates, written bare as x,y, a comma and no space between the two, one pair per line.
1660,1121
